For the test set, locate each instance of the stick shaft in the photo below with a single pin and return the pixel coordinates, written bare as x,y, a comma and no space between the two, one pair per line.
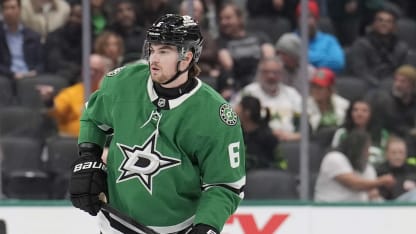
106,207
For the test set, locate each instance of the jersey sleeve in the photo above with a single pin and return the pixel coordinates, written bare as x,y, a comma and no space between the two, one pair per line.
96,121
221,158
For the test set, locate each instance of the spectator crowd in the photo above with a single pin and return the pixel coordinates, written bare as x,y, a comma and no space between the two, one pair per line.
361,77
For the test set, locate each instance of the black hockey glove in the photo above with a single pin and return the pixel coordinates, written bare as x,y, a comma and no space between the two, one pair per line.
203,229
88,179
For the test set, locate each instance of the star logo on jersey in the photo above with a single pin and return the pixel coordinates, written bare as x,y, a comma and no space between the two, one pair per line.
144,162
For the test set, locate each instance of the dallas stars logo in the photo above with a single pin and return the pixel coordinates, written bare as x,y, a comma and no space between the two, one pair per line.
144,162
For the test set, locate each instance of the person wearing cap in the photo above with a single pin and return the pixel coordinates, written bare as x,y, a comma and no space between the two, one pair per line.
288,49
326,108
324,49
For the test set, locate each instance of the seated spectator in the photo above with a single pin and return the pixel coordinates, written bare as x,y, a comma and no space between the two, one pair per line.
324,49
100,17
288,49
398,105
360,116
346,16
110,45
405,175
44,16
272,8
150,10
125,25
67,106
326,108
258,138
63,47
20,47
208,61
345,174
239,50
376,56
284,102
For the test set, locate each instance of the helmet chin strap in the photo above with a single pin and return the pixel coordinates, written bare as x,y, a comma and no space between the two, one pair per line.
178,73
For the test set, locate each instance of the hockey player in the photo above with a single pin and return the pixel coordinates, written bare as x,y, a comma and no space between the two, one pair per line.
176,162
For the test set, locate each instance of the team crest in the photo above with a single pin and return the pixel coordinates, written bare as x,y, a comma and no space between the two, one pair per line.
116,71
143,162
228,116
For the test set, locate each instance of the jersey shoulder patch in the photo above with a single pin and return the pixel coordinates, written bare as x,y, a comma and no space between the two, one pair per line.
227,115
115,71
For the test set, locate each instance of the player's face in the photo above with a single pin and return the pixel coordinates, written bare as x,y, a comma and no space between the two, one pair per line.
361,114
163,60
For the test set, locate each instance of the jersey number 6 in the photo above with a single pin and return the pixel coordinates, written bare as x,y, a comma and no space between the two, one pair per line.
234,154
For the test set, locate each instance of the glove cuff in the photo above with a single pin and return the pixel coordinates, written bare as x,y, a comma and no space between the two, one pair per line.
92,150
201,228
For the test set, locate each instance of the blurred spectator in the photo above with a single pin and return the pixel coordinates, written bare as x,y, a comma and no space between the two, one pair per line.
63,47
398,105
376,56
370,7
360,116
67,106
326,108
258,138
208,61
324,49
44,16
284,102
346,17
405,175
407,6
100,17
240,51
272,8
345,174
110,45
125,25
288,49
150,10
20,47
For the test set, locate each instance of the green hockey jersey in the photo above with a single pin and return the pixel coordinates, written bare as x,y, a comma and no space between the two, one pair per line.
172,162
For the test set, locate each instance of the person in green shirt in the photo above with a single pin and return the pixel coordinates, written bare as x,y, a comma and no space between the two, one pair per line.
176,161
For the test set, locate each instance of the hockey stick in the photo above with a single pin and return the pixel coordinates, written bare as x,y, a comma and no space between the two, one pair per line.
106,207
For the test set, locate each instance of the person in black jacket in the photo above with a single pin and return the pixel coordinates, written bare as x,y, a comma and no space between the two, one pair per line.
126,26
405,175
20,47
376,56
63,47
260,142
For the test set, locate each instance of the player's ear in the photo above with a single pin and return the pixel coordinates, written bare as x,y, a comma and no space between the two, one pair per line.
188,56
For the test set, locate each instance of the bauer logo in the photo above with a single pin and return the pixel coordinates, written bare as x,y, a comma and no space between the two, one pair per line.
89,165
228,116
